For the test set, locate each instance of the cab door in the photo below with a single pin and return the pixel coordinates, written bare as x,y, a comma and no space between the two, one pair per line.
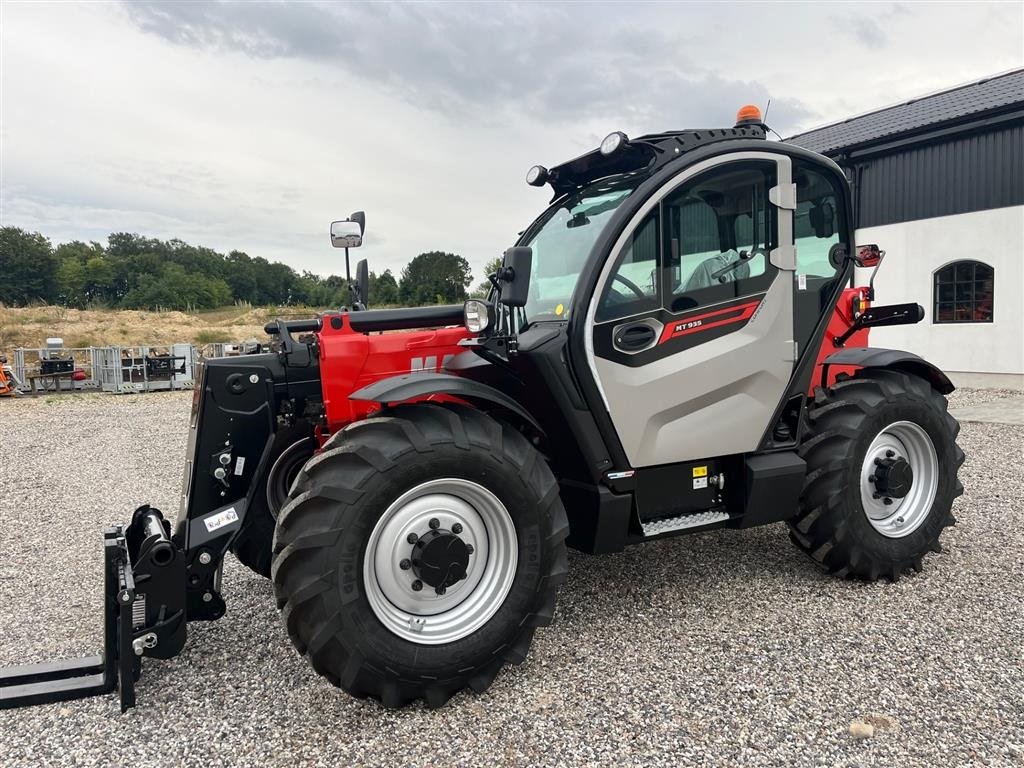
690,330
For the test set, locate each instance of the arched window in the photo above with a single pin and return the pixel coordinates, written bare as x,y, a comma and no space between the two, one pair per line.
963,293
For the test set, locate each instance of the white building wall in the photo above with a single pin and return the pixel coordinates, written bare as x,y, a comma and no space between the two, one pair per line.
914,250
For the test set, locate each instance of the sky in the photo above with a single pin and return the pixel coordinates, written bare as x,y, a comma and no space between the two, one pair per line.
252,126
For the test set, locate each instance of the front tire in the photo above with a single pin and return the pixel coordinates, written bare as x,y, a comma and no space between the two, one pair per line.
419,552
882,464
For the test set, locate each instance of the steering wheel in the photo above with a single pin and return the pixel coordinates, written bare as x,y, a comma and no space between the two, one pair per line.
631,285
719,274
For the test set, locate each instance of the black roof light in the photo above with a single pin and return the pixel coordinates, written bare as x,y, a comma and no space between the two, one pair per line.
613,142
537,176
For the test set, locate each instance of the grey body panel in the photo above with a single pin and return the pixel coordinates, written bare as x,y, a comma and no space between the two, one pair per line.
718,397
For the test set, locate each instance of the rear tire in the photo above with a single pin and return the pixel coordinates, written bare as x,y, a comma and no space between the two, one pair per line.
356,615
293,447
845,523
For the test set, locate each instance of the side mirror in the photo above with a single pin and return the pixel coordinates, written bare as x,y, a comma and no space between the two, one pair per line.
514,276
359,218
868,256
362,283
346,234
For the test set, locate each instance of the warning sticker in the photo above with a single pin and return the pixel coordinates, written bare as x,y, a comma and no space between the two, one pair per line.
700,471
700,482
220,519
801,282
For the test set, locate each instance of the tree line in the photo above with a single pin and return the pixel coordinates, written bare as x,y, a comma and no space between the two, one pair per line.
136,272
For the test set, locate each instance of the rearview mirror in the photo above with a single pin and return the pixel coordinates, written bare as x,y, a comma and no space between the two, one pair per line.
362,283
346,234
514,276
868,255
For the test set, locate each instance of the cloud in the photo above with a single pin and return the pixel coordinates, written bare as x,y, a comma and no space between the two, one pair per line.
555,62
253,125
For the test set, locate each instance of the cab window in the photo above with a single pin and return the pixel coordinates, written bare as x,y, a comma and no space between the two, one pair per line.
816,222
721,228
635,282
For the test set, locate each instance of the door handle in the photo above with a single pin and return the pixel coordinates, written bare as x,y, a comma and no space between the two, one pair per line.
634,338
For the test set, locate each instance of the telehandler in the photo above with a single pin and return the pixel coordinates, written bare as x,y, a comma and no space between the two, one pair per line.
676,344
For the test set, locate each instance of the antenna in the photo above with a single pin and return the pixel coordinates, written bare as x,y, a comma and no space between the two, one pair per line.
764,119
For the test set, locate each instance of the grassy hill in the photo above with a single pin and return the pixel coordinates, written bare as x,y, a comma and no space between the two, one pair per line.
30,326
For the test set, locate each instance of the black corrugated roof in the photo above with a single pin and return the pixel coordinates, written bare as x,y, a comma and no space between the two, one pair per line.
988,95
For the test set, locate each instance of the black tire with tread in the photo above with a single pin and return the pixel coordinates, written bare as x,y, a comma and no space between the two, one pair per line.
831,526
337,499
254,545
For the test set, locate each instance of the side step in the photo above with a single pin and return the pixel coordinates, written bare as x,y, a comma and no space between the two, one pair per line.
690,520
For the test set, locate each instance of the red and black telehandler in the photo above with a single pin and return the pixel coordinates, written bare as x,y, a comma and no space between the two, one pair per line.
676,344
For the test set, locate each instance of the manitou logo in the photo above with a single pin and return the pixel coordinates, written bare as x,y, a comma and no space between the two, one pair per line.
428,364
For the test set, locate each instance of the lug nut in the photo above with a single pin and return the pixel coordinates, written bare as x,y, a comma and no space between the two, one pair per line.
878,462
406,564
887,500
434,523
456,527
871,478
412,538
890,454
469,549
440,590
417,585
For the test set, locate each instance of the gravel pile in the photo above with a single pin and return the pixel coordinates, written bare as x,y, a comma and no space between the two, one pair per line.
719,649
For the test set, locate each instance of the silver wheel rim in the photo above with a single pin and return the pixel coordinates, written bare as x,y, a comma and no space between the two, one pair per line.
901,516
424,616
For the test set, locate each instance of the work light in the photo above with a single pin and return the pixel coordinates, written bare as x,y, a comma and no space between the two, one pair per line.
613,142
537,176
477,315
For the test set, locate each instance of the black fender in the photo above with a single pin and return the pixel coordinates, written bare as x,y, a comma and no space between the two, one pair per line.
897,359
416,386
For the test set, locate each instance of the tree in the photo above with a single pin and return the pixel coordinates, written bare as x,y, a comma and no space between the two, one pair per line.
435,278
28,267
484,287
383,289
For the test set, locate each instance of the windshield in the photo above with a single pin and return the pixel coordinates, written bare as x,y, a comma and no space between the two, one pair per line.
563,241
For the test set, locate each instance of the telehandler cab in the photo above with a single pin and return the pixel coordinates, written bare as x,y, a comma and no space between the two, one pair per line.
675,345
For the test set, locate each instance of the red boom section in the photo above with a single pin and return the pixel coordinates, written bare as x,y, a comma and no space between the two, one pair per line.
349,360
851,300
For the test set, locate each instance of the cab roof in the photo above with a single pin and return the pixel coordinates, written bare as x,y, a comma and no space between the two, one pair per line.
644,154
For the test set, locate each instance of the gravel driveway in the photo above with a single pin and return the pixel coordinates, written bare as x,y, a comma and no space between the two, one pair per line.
724,648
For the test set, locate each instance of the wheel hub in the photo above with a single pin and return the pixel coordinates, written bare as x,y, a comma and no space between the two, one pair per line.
440,561
894,477
899,479
440,558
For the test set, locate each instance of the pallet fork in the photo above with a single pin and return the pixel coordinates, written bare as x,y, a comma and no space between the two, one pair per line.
143,614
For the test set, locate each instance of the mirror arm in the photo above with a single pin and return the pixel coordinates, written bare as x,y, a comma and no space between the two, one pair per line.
871,282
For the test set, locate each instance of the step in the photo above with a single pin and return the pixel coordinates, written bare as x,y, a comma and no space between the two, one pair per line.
690,520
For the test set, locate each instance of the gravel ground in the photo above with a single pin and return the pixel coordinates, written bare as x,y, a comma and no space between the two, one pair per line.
725,648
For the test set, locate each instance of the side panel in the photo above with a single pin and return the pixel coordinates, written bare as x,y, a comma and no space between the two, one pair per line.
350,360
712,399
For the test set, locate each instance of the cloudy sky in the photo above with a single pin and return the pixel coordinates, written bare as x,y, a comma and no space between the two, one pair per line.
252,125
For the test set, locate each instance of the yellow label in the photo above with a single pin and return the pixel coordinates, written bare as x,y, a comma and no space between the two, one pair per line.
560,309
700,471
